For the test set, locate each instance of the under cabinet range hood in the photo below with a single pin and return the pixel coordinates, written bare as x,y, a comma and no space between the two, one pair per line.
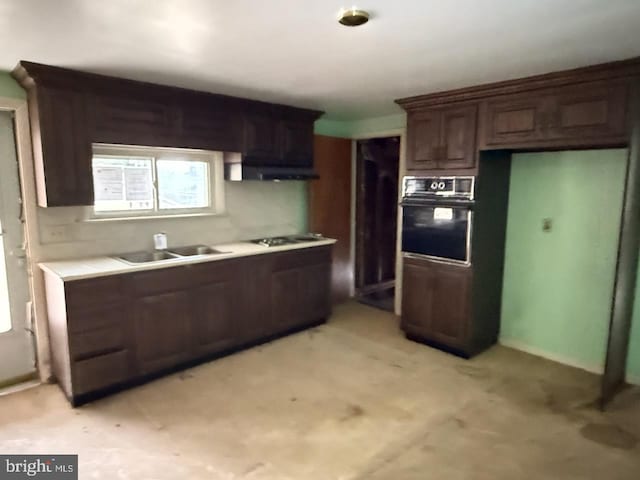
237,169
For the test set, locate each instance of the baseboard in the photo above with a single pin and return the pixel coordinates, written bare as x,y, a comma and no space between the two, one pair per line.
523,347
633,380
598,370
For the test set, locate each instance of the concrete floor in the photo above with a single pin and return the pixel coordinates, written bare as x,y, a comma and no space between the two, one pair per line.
349,400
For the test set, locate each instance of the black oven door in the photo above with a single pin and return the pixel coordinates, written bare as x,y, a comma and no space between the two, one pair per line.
436,230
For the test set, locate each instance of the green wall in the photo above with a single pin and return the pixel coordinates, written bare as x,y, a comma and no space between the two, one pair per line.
633,361
357,128
558,284
9,87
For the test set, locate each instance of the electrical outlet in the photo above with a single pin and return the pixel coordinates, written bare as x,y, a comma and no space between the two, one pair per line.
547,224
56,234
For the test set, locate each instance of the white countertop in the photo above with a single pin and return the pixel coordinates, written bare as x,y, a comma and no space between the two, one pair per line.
101,266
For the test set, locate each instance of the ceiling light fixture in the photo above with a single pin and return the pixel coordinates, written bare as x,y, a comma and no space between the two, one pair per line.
353,17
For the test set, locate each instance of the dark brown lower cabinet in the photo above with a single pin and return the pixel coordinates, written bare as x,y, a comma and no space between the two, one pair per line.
436,303
315,298
162,330
214,317
286,309
108,332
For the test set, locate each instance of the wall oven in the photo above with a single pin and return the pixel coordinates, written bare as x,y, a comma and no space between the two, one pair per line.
437,217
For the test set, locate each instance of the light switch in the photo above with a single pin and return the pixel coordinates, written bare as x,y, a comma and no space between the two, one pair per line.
56,234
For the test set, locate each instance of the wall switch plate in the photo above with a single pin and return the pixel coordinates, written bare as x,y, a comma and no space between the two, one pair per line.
56,234
547,224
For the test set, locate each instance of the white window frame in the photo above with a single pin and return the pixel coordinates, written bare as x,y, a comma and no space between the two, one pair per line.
215,172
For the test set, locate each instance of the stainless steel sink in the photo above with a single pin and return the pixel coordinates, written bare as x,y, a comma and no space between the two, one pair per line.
191,250
146,257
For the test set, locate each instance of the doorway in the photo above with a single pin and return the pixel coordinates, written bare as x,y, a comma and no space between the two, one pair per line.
377,170
17,361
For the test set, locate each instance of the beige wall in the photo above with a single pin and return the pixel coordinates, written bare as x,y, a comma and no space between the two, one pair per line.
254,209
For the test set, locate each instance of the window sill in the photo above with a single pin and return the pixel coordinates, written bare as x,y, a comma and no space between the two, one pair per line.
150,217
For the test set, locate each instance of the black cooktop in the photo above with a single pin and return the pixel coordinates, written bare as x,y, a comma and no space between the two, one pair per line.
287,240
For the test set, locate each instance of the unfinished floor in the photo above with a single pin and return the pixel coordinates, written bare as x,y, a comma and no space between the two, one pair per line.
348,400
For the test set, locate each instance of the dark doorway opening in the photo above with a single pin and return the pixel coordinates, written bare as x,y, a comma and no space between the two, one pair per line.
377,167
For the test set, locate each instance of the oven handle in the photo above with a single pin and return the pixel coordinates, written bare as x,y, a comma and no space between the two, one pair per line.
447,261
437,203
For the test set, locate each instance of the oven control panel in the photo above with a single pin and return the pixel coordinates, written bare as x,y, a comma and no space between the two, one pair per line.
434,187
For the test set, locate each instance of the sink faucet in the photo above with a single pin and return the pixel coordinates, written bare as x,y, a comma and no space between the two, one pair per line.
160,241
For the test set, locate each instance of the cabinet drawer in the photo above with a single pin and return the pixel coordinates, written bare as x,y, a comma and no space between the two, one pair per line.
100,372
93,291
96,342
214,271
159,281
91,318
301,258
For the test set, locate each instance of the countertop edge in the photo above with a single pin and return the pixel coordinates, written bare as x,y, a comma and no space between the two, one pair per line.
50,267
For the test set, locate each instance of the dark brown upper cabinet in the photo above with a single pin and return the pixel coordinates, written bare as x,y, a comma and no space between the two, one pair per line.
260,138
581,108
423,135
296,142
598,112
278,138
122,118
72,110
61,147
515,120
442,138
586,115
207,122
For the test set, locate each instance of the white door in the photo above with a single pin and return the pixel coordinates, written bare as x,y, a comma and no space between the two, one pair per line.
16,344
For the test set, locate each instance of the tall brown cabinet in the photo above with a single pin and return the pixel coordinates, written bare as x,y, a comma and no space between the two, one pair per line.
473,131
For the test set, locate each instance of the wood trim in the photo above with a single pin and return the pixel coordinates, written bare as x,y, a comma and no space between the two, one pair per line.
626,267
329,207
16,381
606,71
30,74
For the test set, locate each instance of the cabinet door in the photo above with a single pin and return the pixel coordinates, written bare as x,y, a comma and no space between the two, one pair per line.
207,124
66,175
436,302
590,113
423,135
417,297
162,330
515,120
260,138
458,137
286,307
255,321
149,119
450,307
315,292
214,317
296,143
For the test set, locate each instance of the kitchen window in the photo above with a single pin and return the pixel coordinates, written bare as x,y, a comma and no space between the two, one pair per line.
151,182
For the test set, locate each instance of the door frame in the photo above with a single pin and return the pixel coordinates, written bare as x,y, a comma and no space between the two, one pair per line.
623,298
26,172
397,132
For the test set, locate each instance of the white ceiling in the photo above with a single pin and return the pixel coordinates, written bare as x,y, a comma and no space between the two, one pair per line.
295,52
